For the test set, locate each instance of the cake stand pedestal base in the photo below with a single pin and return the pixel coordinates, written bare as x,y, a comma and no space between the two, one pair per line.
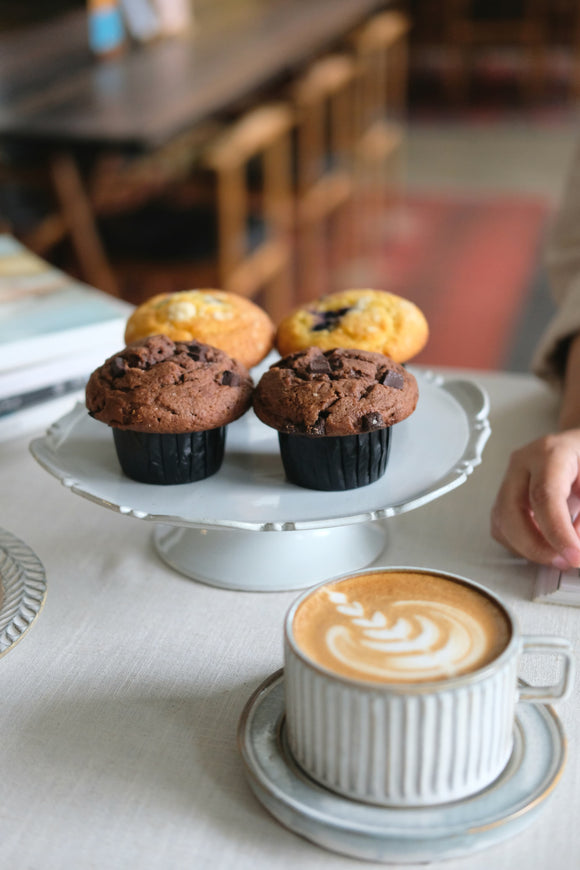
268,561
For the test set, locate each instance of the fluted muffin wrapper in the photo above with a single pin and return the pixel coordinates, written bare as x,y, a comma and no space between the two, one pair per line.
335,462
168,459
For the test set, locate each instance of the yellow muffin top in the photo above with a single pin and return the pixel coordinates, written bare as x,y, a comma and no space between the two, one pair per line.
372,320
224,320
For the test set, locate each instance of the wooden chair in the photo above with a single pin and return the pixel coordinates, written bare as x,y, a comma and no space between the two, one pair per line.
324,101
260,141
52,200
471,26
381,49
227,225
50,207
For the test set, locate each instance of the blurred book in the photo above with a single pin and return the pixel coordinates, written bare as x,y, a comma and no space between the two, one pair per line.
557,587
46,314
54,331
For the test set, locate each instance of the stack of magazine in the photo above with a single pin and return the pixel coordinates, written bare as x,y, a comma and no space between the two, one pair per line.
54,330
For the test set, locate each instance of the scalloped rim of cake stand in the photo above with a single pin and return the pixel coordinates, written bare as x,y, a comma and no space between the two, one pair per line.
206,529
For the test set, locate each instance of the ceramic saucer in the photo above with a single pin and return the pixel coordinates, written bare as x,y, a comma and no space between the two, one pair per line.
391,834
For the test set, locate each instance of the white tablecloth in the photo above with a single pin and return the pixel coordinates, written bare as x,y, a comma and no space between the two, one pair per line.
119,708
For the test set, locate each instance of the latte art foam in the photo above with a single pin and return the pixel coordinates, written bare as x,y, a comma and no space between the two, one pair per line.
400,627
422,640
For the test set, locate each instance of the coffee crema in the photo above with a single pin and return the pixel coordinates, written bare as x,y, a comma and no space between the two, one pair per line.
400,627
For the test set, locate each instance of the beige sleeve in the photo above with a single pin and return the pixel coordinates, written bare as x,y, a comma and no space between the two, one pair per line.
563,268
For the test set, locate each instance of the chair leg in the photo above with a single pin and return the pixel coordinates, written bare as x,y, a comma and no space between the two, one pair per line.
344,248
79,219
312,265
278,296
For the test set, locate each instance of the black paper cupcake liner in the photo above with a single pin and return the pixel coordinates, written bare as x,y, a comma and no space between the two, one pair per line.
170,459
335,462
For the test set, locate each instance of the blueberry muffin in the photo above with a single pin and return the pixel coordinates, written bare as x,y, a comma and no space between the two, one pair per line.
168,404
365,319
225,320
334,411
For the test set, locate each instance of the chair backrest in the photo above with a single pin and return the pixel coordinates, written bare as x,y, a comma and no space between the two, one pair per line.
324,102
381,46
252,163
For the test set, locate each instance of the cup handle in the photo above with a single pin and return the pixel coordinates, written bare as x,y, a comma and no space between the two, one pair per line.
546,645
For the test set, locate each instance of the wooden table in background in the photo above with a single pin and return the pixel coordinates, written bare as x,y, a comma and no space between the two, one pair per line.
58,103
53,91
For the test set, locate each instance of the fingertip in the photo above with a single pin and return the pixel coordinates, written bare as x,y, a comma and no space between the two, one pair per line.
572,556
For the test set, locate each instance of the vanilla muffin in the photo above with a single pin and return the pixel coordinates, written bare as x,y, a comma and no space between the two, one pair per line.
334,411
365,319
168,405
224,320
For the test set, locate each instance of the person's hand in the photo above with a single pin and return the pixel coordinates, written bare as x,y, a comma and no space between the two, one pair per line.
539,498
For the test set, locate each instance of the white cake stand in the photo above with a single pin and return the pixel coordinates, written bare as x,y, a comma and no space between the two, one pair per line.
207,530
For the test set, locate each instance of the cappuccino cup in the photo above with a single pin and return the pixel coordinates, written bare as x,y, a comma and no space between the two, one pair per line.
401,685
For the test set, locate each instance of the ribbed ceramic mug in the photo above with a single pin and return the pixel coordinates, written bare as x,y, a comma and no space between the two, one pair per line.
401,685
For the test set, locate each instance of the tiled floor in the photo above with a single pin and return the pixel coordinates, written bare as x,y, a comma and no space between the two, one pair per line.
503,156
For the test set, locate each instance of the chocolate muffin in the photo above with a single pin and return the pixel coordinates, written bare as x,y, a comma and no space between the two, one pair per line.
334,411
168,404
